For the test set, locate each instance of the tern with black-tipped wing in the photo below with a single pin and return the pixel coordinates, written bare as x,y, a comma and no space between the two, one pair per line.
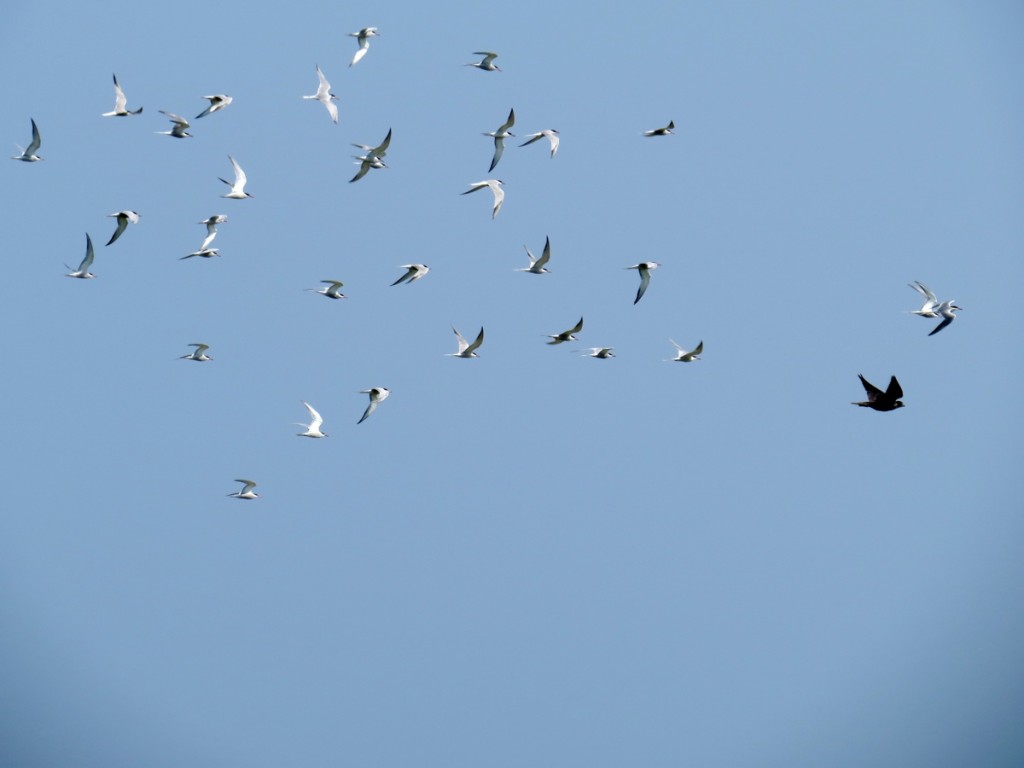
550,134
568,335
124,218
495,185
644,268
363,38
218,101
538,266
499,137
28,154
466,349
83,268
413,272
120,103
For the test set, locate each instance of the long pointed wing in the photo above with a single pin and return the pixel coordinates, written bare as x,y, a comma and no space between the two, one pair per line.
894,391
119,98
645,280
90,254
946,320
477,342
545,256
122,225
36,141
382,150
924,291
873,392
317,420
240,178
499,148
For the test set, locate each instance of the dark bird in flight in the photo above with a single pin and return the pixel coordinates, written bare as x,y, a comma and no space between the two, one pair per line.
879,400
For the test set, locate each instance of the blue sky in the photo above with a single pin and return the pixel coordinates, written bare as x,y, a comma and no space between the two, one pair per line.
534,557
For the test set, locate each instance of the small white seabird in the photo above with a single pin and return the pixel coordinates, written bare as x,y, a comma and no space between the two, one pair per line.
247,491
363,38
486,63
324,96
198,354
83,268
558,338
217,102
203,253
315,420
465,348
495,187
211,223
372,157
120,103
332,291
537,266
684,356
601,353
499,137
178,130
238,187
28,154
550,134
946,310
124,218
662,131
377,394
644,268
413,272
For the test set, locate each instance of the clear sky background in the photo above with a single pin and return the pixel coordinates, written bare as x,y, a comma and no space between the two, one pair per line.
533,558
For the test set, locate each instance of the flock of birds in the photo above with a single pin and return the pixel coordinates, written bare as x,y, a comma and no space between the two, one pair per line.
373,158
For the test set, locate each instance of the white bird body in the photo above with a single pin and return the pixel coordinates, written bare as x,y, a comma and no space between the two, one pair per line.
550,134
124,218
377,396
499,137
685,356
495,185
247,491
413,272
217,101
324,96
537,266
363,38
28,154
120,103
466,349
83,268
601,353
564,336
486,63
668,129
238,187
178,130
644,268
315,422
332,291
198,354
